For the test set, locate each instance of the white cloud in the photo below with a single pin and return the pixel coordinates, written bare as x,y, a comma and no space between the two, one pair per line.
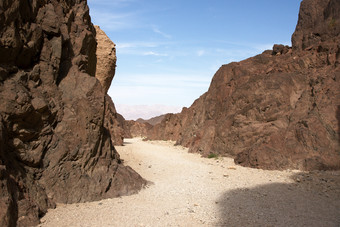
152,53
168,89
109,3
113,21
200,53
138,44
133,112
156,30
166,80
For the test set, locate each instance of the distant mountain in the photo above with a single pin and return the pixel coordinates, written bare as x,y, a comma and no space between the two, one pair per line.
152,121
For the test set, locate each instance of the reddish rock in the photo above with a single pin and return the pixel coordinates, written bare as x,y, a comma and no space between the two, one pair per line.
55,145
276,110
137,129
153,120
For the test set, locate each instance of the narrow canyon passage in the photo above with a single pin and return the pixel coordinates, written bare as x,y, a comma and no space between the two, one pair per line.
187,190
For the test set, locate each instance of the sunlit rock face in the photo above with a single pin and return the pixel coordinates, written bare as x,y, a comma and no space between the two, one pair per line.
54,143
277,110
106,59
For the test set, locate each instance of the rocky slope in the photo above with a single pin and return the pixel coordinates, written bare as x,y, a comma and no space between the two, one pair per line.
277,110
140,127
55,144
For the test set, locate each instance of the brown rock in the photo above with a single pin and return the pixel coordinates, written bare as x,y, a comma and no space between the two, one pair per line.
55,144
152,121
105,71
115,123
106,57
318,22
137,129
272,111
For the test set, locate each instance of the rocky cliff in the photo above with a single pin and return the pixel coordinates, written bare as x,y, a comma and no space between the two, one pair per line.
277,110
55,145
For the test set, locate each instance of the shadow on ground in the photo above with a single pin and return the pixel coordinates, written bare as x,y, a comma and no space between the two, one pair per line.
313,200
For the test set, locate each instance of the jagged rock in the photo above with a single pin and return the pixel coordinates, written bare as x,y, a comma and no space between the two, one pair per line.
106,57
272,111
280,49
54,143
318,22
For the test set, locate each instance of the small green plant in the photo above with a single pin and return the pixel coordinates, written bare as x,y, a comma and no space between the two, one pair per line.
332,23
212,155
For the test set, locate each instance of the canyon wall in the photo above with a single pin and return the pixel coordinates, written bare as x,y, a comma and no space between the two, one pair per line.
277,110
55,144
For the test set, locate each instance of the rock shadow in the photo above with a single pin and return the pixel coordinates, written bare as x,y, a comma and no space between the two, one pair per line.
310,201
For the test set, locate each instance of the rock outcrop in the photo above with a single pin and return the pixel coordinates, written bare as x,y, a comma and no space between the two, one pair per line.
106,59
54,142
105,71
277,110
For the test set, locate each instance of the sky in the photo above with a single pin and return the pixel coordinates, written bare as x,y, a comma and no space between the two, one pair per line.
168,51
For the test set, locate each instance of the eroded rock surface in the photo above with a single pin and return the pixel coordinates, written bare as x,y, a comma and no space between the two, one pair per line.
277,110
54,143
106,59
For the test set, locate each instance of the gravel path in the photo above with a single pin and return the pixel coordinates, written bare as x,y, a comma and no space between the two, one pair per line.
188,190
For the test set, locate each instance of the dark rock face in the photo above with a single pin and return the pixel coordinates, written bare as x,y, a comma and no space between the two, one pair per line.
115,123
318,22
54,143
276,110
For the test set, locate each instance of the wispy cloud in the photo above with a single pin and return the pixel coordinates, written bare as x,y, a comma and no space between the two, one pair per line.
156,30
113,22
166,80
133,112
137,44
110,3
152,53
143,48
200,53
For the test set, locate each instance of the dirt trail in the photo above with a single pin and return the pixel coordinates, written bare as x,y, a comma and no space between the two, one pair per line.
188,190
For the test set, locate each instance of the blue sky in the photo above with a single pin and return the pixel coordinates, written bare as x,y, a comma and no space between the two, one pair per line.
168,51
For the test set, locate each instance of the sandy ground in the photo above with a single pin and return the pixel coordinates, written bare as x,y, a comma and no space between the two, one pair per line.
188,190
